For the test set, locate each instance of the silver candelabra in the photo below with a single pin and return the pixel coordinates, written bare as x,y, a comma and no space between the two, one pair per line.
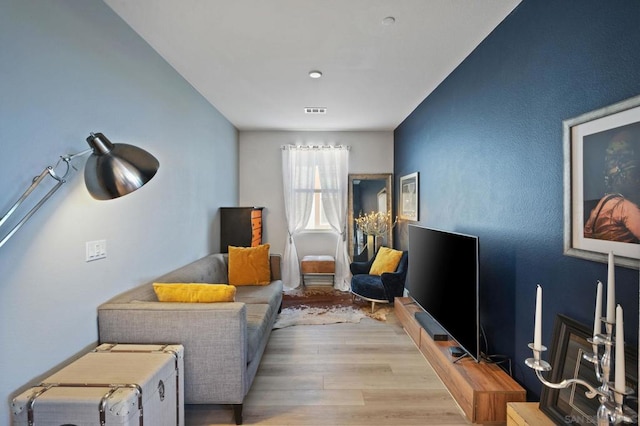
374,225
612,409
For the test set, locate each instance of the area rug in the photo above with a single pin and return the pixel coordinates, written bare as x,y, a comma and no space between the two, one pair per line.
324,305
304,315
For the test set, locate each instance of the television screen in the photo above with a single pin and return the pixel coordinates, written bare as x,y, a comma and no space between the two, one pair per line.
443,278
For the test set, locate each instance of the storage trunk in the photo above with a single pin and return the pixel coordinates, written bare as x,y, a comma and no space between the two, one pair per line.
113,385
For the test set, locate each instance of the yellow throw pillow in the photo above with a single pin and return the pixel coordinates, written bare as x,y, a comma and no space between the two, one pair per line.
249,265
194,292
386,261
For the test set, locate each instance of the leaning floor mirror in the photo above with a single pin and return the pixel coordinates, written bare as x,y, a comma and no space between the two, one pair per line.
370,200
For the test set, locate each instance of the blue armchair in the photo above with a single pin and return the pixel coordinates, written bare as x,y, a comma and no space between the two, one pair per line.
378,288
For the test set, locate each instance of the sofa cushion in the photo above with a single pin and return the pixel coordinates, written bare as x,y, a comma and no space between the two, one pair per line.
369,286
270,294
386,260
194,292
209,269
249,265
257,327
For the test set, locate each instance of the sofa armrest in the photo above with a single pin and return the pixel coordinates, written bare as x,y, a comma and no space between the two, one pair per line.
214,336
276,269
394,282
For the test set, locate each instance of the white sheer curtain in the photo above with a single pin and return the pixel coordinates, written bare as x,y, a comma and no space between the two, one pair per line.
298,172
333,169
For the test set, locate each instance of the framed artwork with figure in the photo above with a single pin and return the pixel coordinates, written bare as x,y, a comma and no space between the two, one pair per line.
602,184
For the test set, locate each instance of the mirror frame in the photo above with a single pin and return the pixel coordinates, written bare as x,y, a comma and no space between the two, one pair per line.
388,178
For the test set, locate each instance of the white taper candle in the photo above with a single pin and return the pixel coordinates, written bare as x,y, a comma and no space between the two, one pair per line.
611,290
537,333
620,382
597,321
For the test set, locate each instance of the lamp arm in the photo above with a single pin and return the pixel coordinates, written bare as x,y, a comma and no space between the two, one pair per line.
70,157
31,212
36,182
61,179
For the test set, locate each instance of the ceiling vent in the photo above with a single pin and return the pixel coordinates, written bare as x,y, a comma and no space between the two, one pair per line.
315,110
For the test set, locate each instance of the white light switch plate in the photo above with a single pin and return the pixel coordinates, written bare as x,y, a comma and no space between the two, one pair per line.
96,250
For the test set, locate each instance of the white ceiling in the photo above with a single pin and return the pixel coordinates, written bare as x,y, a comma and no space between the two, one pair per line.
250,58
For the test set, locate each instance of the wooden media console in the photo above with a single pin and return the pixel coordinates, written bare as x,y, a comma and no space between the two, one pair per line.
482,389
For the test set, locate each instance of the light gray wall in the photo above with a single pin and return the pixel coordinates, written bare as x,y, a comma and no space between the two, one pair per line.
261,176
70,67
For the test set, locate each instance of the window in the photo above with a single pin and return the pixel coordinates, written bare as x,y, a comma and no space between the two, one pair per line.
317,220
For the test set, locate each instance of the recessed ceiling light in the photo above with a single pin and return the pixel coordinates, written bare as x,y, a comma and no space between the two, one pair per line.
389,20
315,74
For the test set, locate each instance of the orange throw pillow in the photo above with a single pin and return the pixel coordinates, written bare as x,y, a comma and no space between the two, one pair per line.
386,261
249,265
194,292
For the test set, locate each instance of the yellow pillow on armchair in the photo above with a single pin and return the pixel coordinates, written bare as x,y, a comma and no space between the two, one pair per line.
386,260
249,265
194,292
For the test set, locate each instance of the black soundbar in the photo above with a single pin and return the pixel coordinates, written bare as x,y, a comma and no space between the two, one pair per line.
431,326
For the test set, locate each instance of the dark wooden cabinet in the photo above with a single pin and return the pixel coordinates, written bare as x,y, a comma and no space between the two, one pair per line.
240,227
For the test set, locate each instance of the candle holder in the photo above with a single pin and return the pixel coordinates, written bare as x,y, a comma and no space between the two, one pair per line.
374,225
612,409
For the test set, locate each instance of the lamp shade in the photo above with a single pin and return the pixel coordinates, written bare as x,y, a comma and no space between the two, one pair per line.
114,170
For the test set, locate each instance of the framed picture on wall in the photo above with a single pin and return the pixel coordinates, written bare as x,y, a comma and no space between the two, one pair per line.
409,197
571,405
602,184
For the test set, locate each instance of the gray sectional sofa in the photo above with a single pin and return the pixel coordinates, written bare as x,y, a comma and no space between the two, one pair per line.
223,342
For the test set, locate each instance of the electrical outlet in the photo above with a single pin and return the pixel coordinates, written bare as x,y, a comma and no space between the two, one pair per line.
96,250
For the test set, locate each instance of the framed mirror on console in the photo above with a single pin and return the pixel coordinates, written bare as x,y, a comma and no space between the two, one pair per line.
368,193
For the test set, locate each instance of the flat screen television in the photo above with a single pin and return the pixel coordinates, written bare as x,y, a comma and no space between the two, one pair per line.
443,278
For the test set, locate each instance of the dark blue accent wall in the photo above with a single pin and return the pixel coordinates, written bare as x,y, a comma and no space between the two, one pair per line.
488,146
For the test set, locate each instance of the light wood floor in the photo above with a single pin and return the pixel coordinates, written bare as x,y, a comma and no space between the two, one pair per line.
369,373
